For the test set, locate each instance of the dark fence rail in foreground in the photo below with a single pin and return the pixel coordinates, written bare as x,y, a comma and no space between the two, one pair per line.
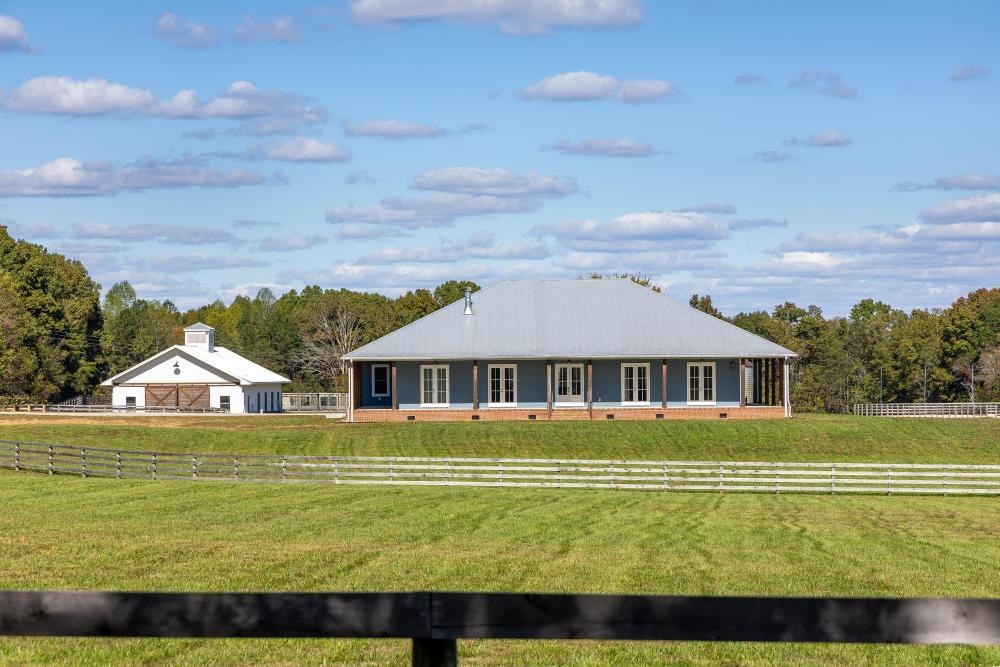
101,408
434,621
927,409
719,476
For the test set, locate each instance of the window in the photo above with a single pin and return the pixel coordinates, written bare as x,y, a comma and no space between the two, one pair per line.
380,379
503,385
701,382
130,402
224,403
569,384
434,386
635,384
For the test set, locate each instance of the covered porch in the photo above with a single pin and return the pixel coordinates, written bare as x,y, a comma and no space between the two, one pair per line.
569,389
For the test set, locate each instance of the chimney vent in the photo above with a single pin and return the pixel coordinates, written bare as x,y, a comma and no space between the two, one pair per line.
468,300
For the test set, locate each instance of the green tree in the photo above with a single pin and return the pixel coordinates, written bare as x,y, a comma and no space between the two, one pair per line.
452,291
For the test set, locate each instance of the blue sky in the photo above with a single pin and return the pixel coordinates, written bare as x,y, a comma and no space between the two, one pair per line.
818,153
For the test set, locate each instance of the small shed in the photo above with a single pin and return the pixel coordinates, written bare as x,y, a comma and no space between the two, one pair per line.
198,375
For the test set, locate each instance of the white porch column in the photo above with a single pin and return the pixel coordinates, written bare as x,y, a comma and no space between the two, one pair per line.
350,392
788,394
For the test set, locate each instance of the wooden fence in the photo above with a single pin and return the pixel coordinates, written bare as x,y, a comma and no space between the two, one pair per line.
435,621
927,409
106,409
722,476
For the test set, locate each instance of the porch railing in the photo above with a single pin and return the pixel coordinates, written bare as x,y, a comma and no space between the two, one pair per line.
927,409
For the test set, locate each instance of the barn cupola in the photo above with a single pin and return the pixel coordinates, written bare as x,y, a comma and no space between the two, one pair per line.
200,335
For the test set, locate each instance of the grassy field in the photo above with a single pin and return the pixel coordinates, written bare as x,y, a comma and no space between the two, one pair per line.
804,438
66,532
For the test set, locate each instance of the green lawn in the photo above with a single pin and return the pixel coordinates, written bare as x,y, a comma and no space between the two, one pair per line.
803,438
100,534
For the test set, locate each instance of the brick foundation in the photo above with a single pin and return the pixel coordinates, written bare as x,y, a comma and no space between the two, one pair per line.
369,415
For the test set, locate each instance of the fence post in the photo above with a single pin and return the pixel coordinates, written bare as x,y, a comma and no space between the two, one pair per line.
890,480
284,469
51,461
194,466
666,477
435,653
500,465
118,465
154,466
720,477
336,472
777,479
83,462
833,479
17,456
236,467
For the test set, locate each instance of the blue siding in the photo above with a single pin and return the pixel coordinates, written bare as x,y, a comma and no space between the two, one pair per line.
367,399
727,382
531,383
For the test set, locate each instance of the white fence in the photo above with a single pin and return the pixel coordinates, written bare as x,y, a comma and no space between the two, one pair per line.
315,402
927,409
108,409
722,476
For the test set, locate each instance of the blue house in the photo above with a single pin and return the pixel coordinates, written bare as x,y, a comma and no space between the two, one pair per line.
568,349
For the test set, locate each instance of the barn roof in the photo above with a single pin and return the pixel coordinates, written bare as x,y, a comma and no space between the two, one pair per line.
581,319
220,359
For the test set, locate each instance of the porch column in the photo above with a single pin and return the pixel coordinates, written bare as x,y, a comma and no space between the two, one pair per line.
392,389
663,383
357,383
787,389
742,380
350,392
590,389
475,385
767,381
548,386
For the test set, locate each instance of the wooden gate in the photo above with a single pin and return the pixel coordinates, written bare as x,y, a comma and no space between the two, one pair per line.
161,397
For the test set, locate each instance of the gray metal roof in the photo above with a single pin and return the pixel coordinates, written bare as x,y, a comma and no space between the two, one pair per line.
567,319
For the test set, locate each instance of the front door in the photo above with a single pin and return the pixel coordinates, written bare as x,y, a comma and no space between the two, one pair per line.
569,383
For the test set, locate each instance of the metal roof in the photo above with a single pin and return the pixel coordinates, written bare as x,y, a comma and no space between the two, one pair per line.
198,326
567,319
220,359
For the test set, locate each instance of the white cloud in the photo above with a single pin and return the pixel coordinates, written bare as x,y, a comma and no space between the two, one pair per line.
31,230
968,181
393,129
710,207
824,83
981,208
755,223
969,72
622,232
166,234
773,156
582,86
513,16
251,224
67,177
282,30
350,231
798,259
275,111
605,147
478,246
62,95
185,34
201,262
493,181
635,92
306,149
360,177
748,79
13,36
828,139
291,243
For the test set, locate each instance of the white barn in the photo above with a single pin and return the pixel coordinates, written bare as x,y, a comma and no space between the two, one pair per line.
198,376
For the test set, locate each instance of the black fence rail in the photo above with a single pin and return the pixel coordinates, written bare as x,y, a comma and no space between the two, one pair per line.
435,621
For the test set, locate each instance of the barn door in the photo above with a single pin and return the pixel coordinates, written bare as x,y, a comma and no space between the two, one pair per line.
161,397
193,397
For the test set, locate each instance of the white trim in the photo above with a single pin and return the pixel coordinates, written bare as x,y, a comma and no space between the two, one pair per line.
387,382
435,368
649,383
701,382
569,381
489,387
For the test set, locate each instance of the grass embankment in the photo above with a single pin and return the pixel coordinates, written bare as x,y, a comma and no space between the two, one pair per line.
66,532
804,438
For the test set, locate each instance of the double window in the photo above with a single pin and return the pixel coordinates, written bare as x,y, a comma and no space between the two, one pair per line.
635,384
701,382
434,386
503,385
380,379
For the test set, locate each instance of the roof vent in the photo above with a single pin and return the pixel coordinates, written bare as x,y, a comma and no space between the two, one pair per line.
468,300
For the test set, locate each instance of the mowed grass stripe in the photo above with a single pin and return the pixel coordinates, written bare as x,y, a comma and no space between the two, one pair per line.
98,534
803,438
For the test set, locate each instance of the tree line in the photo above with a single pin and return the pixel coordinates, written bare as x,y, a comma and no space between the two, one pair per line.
59,339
